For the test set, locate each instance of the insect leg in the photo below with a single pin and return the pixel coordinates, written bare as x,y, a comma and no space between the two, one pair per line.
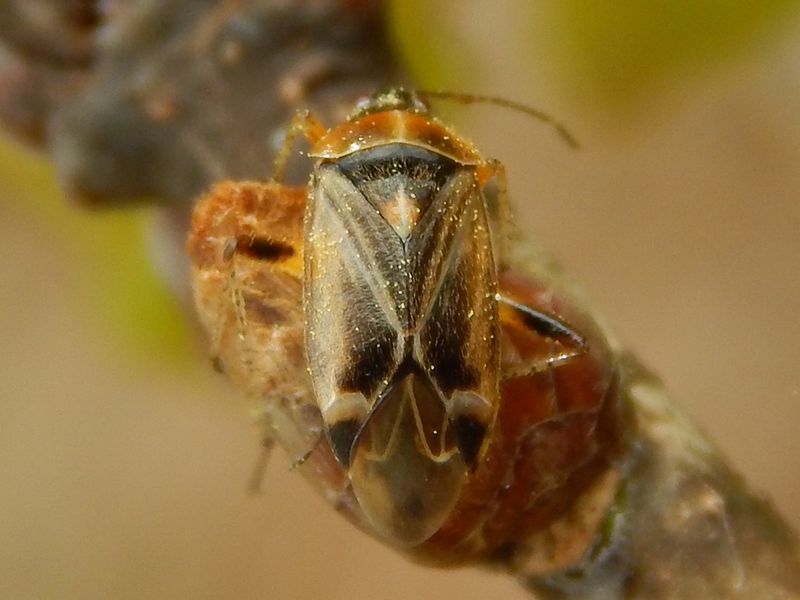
494,168
233,299
229,253
545,325
300,461
256,480
498,170
302,122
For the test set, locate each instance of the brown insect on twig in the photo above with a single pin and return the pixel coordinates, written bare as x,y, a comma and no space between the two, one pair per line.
604,490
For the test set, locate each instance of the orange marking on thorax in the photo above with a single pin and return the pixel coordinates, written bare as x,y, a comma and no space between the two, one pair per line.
395,127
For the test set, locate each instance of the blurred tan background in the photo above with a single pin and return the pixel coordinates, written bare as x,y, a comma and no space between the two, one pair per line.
123,462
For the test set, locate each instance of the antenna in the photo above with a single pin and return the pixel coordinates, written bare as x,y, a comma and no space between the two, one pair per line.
477,98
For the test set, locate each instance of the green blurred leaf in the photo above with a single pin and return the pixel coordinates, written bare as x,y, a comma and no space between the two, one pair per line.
623,50
429,43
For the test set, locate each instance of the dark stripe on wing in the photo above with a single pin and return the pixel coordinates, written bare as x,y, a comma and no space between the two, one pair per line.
469,433
342,435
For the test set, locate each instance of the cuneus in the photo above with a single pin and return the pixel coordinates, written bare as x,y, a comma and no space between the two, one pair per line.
401,305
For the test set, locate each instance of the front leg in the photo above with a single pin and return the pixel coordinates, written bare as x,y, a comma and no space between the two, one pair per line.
255,484
302,122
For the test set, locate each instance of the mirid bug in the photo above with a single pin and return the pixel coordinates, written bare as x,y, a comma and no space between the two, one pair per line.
401,308
459,405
